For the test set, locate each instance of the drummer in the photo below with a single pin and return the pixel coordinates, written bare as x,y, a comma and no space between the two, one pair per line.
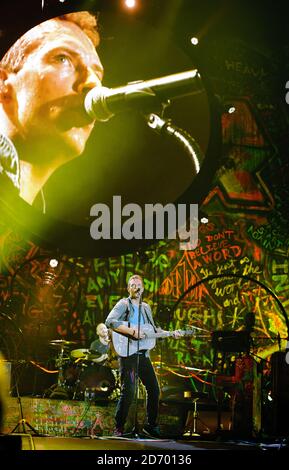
101,344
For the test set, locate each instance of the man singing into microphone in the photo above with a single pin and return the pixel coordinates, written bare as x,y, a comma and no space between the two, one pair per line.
44,78
123,319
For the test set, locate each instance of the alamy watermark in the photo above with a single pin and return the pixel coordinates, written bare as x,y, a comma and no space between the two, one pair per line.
155,222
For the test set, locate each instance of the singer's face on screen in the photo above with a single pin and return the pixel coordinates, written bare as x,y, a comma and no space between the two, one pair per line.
60,67
135,288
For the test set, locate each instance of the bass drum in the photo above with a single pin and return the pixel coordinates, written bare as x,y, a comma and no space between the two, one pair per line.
71,372
96,382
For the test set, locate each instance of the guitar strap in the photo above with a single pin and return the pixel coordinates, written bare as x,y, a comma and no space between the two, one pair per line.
126,318
148,319
127,310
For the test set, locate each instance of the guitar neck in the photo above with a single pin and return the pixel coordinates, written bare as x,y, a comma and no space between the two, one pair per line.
164,334
125,346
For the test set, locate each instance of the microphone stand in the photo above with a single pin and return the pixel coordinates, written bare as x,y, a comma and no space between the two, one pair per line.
22,421
182,138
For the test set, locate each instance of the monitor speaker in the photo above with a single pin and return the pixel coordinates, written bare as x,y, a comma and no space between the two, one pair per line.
280,393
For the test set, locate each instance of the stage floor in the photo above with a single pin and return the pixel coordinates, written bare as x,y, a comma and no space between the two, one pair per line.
67,426
32,442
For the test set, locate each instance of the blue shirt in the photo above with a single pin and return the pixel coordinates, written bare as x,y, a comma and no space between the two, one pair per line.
134,318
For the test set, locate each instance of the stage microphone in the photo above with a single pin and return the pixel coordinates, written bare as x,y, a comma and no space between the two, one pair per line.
102,103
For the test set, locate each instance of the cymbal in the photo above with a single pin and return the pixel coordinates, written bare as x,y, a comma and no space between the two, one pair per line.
78,353
181,397
61,343
85,354
185,401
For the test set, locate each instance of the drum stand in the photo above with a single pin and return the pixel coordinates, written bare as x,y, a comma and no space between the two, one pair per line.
83,365
190,432
193,432
59,389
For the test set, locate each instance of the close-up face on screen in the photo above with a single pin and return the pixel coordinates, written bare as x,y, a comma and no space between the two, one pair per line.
73,149
144,229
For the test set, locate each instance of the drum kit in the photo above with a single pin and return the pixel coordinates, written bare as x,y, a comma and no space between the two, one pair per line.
81,376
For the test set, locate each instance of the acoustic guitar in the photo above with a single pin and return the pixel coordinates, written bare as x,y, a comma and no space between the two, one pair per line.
126,345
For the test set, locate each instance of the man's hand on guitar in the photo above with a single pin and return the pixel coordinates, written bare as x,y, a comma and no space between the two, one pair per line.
130,331
135,334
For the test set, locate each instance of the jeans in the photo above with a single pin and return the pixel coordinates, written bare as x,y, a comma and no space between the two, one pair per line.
128,381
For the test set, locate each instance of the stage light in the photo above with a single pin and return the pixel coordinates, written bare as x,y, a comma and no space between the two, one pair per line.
194,41
53,263
130,3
